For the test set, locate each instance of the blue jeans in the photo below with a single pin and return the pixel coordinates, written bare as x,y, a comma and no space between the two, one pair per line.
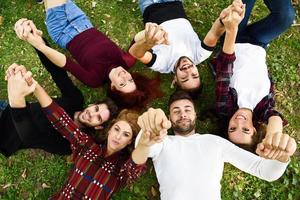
143,4
66,21
267,29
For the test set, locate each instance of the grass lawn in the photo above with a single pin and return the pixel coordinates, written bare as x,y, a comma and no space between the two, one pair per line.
34,174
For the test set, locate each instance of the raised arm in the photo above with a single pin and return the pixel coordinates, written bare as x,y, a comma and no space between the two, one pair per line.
145,40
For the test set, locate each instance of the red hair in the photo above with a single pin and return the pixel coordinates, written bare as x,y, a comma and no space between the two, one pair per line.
147,90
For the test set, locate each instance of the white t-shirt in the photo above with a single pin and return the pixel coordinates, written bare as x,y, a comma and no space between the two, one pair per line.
183,42
250,75
191,168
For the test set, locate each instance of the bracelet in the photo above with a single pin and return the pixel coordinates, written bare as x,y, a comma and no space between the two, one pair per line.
221,22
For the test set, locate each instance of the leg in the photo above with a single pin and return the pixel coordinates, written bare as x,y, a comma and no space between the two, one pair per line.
53,3
244,22
143,4
278,21
65,21
3,105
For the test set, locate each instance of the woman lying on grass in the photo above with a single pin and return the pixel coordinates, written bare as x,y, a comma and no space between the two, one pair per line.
99,59
244,91
98,170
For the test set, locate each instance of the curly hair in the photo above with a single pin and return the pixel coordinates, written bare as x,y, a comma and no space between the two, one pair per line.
147,90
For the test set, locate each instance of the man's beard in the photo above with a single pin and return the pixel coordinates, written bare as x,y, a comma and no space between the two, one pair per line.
183,130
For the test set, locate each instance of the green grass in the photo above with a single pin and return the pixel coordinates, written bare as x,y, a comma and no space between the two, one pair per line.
120,20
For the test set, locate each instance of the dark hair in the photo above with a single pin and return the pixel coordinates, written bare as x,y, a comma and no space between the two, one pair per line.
129,116
179,95
147,90
113,111
194,92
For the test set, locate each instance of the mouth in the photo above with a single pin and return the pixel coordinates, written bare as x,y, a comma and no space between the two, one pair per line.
114,142
239,116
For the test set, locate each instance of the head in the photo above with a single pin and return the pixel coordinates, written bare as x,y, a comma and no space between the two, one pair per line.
186,75
146,90
240,128
182,113
96,115
121,80
123,131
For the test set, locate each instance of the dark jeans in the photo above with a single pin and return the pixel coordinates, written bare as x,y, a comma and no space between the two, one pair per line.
3,105
267,29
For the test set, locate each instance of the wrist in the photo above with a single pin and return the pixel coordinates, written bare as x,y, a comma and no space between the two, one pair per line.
18,102
284,159
231,30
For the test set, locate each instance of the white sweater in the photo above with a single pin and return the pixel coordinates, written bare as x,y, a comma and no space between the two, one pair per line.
191,168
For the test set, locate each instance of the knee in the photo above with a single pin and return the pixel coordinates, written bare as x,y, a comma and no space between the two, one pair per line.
286,16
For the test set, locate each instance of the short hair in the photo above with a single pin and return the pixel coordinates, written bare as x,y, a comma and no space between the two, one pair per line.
147,90
180,95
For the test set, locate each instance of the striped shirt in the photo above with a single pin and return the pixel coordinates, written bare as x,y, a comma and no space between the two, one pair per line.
92,175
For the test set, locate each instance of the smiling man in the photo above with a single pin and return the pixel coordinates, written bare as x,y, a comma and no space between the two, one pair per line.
27,127
170,44
189,165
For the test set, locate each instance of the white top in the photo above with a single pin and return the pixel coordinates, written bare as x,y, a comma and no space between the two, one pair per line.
250,75
191,168
183,42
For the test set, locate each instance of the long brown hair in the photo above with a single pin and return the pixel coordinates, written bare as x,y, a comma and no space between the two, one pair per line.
147,90
128,116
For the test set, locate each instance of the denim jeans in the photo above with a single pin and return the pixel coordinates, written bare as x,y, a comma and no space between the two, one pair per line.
3,105
262,32
143,4
66,21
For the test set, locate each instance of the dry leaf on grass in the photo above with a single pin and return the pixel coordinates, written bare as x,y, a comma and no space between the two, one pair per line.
45,186
1,20
24,174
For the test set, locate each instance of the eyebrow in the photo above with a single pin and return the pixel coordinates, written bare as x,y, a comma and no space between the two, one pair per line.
187,106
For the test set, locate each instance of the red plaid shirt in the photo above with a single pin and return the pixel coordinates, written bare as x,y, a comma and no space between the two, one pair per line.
226,97
92,176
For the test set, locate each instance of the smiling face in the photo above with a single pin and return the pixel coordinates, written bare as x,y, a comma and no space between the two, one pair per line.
119,136
94,115
240,128
121,80
183,117
186,74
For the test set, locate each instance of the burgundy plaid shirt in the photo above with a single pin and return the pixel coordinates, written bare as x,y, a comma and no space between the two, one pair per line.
92,176
226,97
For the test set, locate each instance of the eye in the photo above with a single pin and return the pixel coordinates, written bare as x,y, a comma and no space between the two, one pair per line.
246,129
131,80
122,85
188,111
116,128
96,108
126,134
231,129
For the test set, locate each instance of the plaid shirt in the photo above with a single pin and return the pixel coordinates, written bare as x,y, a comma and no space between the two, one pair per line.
92,176
226,97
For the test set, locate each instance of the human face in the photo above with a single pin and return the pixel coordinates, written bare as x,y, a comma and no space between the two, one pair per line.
119,136
94,115
183,117
122,80
240,128
186,74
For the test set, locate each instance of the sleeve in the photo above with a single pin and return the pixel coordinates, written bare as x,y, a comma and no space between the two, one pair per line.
161,59
155,148
60,77
23,123
90,78
202,52
269,170
223,65
130,171
266,108
63,124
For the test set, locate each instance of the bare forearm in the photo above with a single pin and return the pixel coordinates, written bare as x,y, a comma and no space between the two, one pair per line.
139,48
140,154
274,124
42,96
213,35
229,42
54,56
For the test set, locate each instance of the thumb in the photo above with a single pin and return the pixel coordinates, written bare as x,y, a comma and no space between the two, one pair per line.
39,33
259,149
166,124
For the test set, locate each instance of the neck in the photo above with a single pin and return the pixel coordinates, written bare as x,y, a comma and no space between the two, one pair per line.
76,120
246,110
109,152
185,135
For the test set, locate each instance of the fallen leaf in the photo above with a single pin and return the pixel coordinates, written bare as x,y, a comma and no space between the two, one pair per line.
45,186
1,20
7,185
154,192
24,174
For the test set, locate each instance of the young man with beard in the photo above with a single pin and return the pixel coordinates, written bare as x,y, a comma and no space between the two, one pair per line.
170,44
189,165
27,127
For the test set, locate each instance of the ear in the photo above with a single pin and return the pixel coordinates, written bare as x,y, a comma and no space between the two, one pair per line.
98,127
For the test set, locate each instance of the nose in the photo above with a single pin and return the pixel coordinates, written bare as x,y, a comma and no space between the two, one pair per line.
118,136
183,115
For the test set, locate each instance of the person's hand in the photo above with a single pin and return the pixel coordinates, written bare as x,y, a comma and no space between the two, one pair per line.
233,15
27,31
18,85
154,35
155,123
286,148
14,69
147,138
